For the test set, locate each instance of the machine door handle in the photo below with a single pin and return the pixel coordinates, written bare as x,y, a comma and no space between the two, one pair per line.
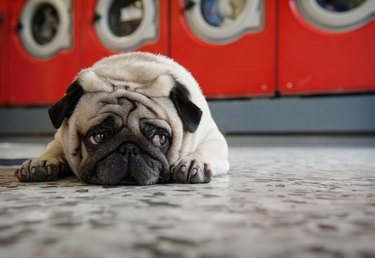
189,4
96,17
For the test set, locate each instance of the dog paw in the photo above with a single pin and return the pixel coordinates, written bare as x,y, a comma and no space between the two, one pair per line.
191,171
40,170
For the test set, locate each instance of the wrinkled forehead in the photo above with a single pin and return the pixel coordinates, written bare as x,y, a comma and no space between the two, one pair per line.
128,109
148,79
128,70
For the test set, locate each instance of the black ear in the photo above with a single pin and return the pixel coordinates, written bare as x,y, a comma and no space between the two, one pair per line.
65,106
189,113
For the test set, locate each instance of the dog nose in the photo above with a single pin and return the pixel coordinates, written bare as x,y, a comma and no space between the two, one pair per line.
129,149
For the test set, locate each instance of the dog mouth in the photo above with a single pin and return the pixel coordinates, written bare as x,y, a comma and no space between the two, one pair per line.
127,165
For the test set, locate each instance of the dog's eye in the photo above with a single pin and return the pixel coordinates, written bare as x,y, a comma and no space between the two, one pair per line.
97,138
159,140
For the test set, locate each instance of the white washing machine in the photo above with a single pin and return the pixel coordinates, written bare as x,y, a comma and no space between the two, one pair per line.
45,27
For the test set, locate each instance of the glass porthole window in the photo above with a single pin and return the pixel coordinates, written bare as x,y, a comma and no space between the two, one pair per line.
340,5
124,24
45,23
222,13
223,21
124,17
337,15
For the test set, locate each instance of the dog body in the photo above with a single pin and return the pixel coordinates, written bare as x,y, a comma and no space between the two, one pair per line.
134,118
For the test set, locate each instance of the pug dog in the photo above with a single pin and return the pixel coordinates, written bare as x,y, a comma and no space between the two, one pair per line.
134,118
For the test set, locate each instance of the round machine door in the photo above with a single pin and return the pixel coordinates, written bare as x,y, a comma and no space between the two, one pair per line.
44,27
337,15
125,24
223,21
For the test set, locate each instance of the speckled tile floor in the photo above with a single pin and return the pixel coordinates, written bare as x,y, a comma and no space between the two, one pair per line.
283,197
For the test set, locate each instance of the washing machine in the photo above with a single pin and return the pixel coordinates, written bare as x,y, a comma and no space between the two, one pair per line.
228,45
3,20
113,26
326,46
42,55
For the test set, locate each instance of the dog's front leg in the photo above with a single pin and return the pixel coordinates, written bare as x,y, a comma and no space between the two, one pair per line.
209,159
50,166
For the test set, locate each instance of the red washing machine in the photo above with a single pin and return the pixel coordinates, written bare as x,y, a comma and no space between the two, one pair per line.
112,26
228,45
42,57
326,46
3,21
